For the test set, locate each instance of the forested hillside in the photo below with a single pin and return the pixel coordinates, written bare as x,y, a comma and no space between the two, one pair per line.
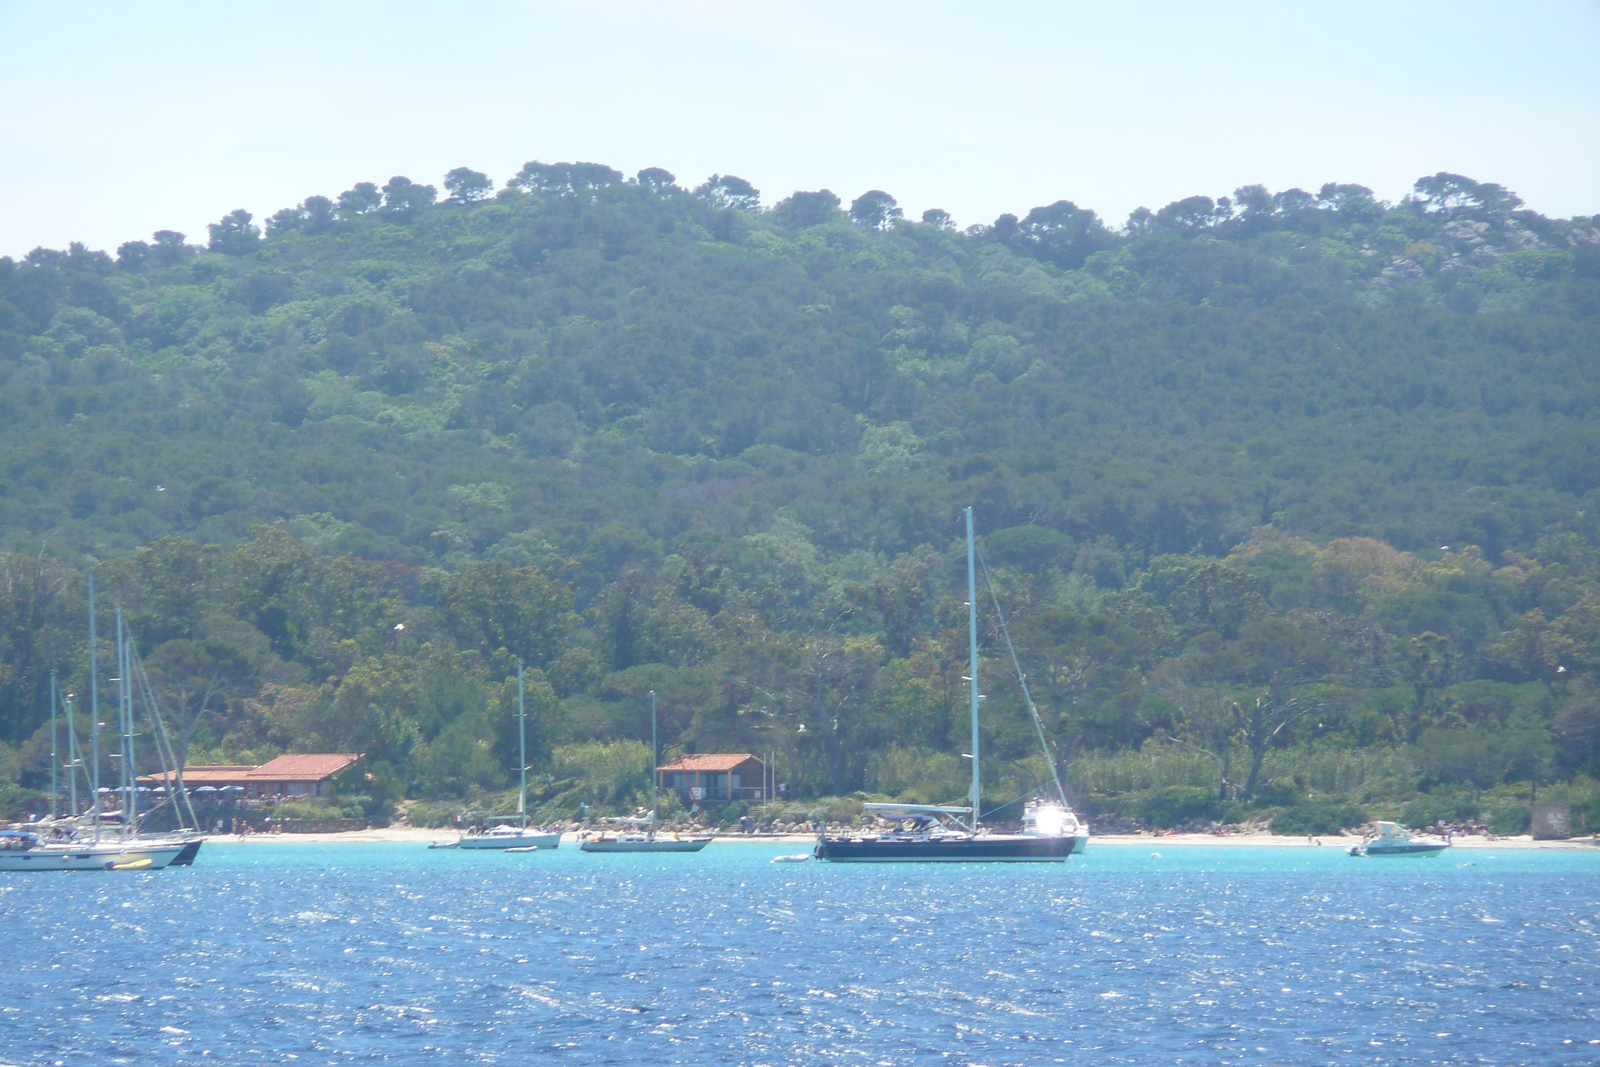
1290,498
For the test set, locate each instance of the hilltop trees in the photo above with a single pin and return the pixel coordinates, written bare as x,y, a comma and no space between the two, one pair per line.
1062,233
727,191
801,210
360,199
564,179
235,235
467,185
656,179
403,198
875,209
1454,196
314,215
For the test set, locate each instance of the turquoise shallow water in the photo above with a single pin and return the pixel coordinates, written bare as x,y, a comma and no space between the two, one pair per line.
287,953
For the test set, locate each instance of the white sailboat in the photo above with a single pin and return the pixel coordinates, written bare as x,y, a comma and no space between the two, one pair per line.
22,850
65,844
639,834
505,837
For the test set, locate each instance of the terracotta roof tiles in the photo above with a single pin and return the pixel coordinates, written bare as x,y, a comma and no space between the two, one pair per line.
301,768
306,767
720,761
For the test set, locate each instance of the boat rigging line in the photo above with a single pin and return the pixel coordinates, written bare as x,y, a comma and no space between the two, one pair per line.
1022,678
177,791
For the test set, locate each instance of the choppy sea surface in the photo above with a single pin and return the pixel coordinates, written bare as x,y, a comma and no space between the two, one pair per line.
276,953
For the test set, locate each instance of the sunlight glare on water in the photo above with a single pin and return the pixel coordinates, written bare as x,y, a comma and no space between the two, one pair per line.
276,953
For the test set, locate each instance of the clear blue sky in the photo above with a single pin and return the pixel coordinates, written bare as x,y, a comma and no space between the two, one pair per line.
120,119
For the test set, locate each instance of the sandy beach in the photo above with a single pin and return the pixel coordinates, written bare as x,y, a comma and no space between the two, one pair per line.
1340,841
415,835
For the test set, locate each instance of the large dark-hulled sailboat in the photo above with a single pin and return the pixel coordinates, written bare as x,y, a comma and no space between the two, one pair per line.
933,833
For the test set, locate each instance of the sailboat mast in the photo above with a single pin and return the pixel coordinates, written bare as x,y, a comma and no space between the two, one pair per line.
654,758
94,713
122,725
55,756
73,762
972,640
522,751
130,798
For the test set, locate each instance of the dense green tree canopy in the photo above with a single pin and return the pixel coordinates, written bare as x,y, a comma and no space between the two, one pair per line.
1254,470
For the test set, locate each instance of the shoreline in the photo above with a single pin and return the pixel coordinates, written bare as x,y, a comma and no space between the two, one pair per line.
417,836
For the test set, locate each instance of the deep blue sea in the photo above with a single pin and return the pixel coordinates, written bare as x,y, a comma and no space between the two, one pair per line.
277,953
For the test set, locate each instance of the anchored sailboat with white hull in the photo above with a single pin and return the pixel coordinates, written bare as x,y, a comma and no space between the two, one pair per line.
935,833
639,834
506,837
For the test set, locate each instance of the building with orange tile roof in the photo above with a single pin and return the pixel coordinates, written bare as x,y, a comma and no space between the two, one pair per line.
301,775
715,778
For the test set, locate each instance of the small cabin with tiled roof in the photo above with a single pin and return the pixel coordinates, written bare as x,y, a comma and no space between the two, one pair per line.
716,778
302,775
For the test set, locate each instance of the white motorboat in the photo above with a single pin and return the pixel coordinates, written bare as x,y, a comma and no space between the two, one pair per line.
1392,839
505,837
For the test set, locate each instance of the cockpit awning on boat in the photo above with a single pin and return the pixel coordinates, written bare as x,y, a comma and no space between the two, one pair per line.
918,809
